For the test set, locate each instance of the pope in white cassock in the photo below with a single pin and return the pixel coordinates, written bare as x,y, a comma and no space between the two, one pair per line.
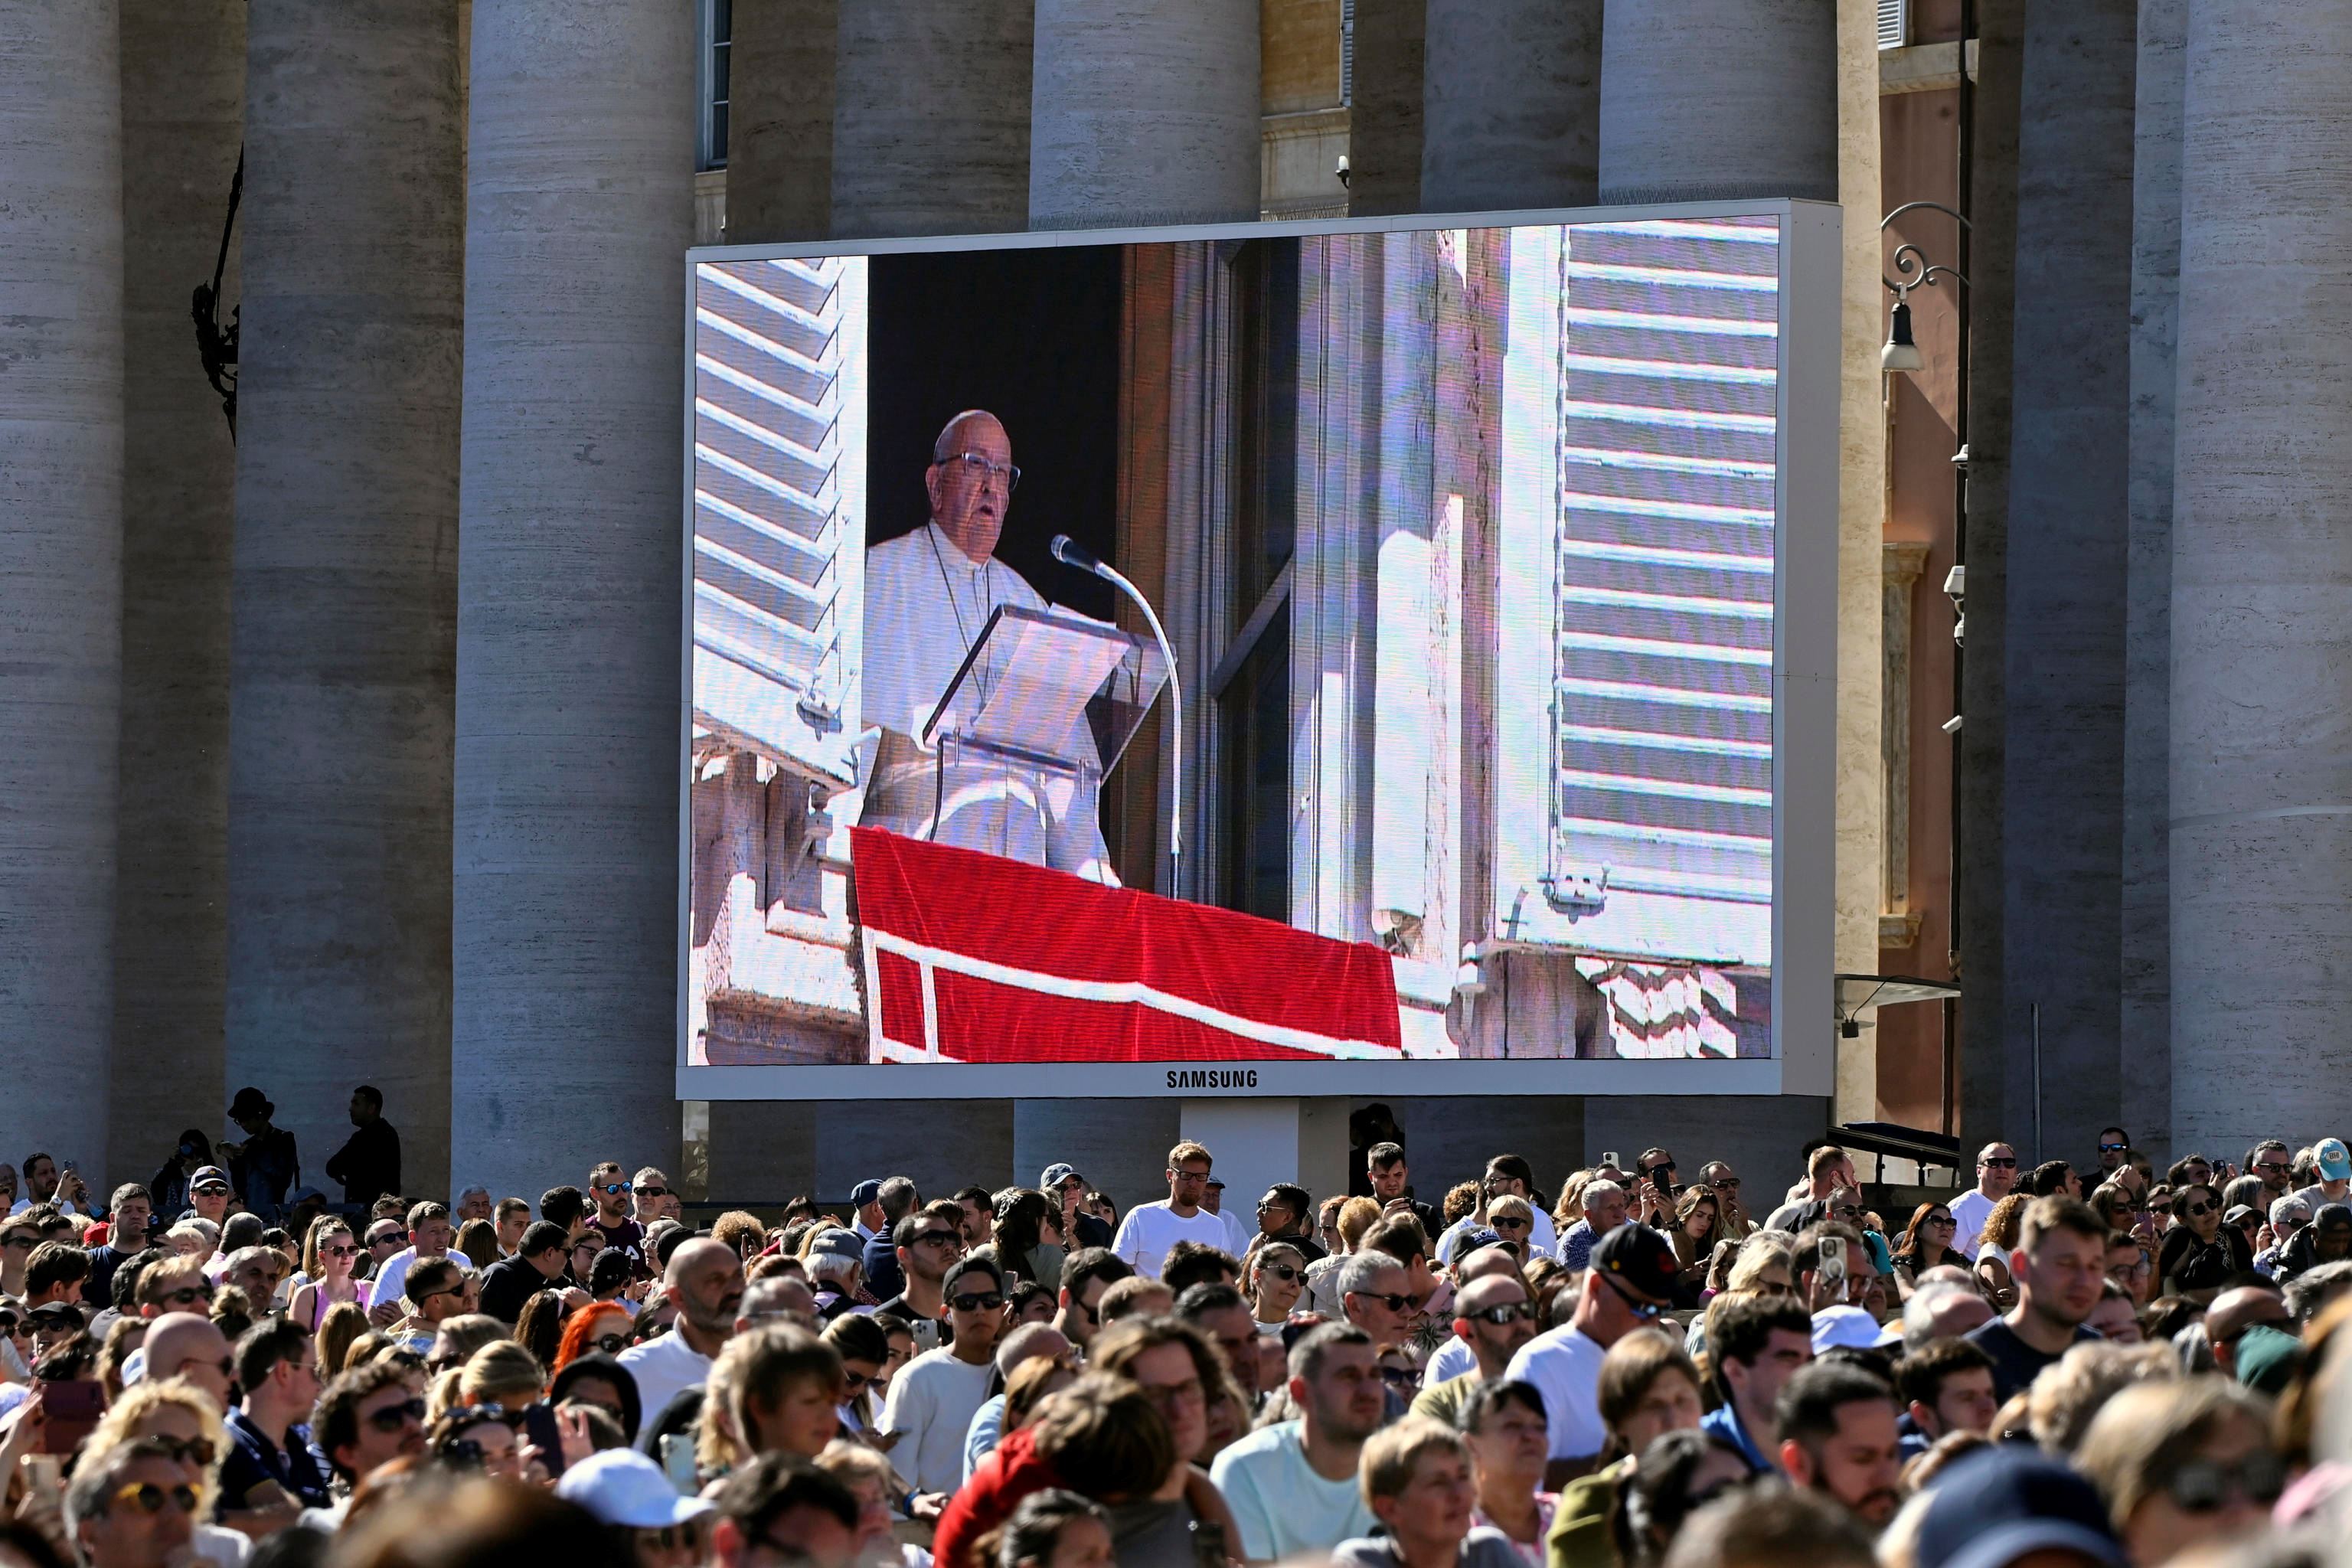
928,595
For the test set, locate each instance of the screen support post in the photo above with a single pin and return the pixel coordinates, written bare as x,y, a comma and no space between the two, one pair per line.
1257,1143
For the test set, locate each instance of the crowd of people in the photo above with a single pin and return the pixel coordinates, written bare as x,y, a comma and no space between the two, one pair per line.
2060,1367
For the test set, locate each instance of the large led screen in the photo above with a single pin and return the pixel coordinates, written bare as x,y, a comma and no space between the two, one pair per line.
1493,564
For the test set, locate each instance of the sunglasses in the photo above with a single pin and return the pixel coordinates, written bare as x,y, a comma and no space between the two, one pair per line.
150,1499
13,1326
1508,1312
1642,1310
2006,1162
189,1295
1663,1168
1399,1377
2204,1486
612,1344
1512,1224
47,1319
1845,1211
987,1301
939,1238
199,1450
1280,1271
1725,1184
2113,1148
1939,1219
2198,1211
670,1537
348,1250
858,1382
653,1191
614,1189
1394,1303
21,1242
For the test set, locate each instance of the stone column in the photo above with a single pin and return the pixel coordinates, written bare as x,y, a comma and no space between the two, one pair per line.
780,119
930,130
2262,645
183,121
61,454
2146,1027
346,571
1510,104
1385,129
581,129
1702,100
1861,825
1144,112
2067,551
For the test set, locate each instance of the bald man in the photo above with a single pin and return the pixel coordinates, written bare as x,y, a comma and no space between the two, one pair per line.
928,595
705,1278
182,1344
1492,1344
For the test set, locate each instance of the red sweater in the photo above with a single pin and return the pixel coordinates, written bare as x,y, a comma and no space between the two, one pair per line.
1009,1472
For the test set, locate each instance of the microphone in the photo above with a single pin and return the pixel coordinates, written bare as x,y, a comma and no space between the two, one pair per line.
1070,553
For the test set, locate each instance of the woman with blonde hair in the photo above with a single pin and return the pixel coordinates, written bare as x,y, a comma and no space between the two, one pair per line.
330,1254
1570,1208
180,1415
503,1373
1997,1240
2182,1464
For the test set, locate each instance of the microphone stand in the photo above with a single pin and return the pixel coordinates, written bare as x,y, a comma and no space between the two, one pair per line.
1070,554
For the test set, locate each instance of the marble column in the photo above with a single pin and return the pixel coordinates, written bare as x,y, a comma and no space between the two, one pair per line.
2261,579
780,119
1144,112
61,458
2146,1027
183,122
1705,100
931,130
1510,104
566,922
344,585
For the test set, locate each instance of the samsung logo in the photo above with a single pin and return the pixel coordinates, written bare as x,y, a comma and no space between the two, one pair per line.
1240,1077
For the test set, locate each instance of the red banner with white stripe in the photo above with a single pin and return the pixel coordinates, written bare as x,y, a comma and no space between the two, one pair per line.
972,958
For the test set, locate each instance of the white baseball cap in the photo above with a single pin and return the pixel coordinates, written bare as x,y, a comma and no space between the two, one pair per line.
622,1486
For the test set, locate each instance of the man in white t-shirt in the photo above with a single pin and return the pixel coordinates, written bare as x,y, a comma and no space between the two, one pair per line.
1292,1485
1151,1229
1237,1234
934,1397
44,1185
1996,1175
1631,1281
705,1278
429,1236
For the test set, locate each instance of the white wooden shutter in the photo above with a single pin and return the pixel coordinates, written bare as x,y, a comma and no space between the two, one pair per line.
1660,797
780,508
1894,24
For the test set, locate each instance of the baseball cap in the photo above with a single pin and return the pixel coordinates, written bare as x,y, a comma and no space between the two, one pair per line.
1640,1259
207,1176
2240,1211
1218,1183
2266,1358
1056,1175
835,1242
1999,1504
627,1491
2334,1159
864,1192
1845,1328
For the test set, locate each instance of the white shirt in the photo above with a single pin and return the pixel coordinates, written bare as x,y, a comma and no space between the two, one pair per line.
1237,1236
1565,1366
932,1401
1970,1211
1283,1507
1151,1229
394,1272
1452,1358
24,1203
1541,1238
663,1368
926,604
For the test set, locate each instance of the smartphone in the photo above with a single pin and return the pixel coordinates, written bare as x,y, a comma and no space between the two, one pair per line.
678,1461
1612,1161
69,1409
1829,1264
540,1429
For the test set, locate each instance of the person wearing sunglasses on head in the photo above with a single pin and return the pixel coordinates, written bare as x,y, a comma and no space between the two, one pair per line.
1494,1318
1996,1177
1629,1283
932,1401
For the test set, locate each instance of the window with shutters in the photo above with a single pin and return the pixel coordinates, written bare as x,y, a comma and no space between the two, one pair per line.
1348,52
1658,765
1894,24
715,39
780,370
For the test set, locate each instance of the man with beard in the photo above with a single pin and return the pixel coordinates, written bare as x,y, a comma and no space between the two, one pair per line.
2060,1266
366,1419
1836,1425
705,1278
1292,1485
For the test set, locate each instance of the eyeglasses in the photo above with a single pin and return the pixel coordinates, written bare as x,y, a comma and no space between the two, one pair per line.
189,1295
1508,1312
977,467
1168,1395
986,1301
1280,1271
614,1189
2202,1486
1939,1219
2003,1161
1394,1302
196,1450
150,1498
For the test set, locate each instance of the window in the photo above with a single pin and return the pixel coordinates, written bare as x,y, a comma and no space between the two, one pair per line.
779,367
1254,776
718,32
1894,24
1265,522
1347,51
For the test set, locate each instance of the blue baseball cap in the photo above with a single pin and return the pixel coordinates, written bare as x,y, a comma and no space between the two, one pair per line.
1998,1504
864,1193
2334,1159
